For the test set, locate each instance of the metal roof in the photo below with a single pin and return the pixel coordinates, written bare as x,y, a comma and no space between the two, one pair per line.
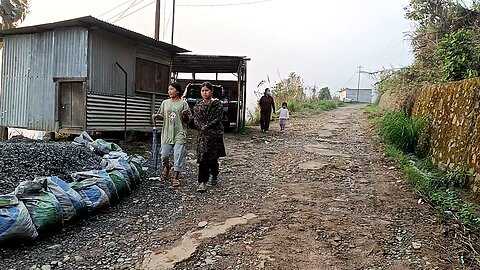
194,63
91,22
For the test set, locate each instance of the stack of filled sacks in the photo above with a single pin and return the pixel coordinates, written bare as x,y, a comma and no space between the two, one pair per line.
46,202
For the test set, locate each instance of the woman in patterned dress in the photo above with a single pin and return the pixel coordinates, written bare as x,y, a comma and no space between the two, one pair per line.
207,115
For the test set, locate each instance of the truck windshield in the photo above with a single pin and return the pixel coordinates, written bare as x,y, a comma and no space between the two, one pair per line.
193,91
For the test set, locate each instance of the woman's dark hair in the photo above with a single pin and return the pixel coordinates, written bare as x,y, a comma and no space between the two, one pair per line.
208,85
284,103
177,87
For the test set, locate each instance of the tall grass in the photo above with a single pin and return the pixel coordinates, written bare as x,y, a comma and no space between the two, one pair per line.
433,185
400,130
253,118
314,105
401,134
374,111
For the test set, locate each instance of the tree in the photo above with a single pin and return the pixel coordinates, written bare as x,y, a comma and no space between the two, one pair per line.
289,89
434,20
459,56
445,42
324,93
13,12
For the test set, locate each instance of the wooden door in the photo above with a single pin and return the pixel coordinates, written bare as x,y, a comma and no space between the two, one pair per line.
71,107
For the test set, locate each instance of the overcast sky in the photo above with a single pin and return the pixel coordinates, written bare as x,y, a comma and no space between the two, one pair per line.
322,41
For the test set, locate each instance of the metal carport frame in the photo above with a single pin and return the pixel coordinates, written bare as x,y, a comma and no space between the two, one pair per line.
237,65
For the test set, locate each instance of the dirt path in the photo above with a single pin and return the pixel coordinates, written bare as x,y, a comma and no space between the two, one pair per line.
321,196
333,202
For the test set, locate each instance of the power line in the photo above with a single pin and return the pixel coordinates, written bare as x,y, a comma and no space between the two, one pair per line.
165,25
122,12
224,5
386,50
135,11
112,9
216,5
351,78
129,7
164,15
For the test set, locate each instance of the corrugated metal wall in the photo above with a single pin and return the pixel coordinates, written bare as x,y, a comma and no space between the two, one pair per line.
362,95
152,54
71,52
41,88
106,113
105,101
15,74
107,48
30,62
27,95
105,77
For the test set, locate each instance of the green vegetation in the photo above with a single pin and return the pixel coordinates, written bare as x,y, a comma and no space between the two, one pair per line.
400,130
296,106
402,134
299,97
324,93
13,12
459,56
253,118
445,42
445,45
373,111
314,105
428,181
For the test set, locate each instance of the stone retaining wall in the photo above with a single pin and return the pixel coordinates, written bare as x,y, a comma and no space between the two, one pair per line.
453,109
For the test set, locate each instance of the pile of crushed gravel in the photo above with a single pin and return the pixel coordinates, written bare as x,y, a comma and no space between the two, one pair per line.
24,159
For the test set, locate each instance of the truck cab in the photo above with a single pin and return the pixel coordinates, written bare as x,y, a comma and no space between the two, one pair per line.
193,95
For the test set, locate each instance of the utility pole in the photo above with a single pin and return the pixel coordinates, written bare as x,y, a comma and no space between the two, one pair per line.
157,21
173,19
358,84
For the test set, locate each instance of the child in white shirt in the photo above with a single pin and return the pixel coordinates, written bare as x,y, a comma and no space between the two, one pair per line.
284,115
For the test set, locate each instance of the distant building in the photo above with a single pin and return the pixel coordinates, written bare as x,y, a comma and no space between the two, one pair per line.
355,95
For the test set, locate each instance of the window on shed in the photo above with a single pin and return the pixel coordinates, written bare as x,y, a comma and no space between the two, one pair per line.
151,77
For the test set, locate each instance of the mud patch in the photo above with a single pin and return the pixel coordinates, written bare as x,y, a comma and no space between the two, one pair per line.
324,133
319,149
331,126
189,244
313,165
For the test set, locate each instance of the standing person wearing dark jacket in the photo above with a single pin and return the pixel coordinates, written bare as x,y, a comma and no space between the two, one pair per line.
207,116
266,105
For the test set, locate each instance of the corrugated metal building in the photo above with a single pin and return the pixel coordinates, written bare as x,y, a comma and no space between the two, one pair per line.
356,95
82,74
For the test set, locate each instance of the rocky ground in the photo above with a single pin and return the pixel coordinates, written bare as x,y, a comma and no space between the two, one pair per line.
24,159
320,196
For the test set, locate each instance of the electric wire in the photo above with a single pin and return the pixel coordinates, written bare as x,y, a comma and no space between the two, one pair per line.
129,7
200,5
135,11
224,5
166,25
123,16
164,15
114,8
